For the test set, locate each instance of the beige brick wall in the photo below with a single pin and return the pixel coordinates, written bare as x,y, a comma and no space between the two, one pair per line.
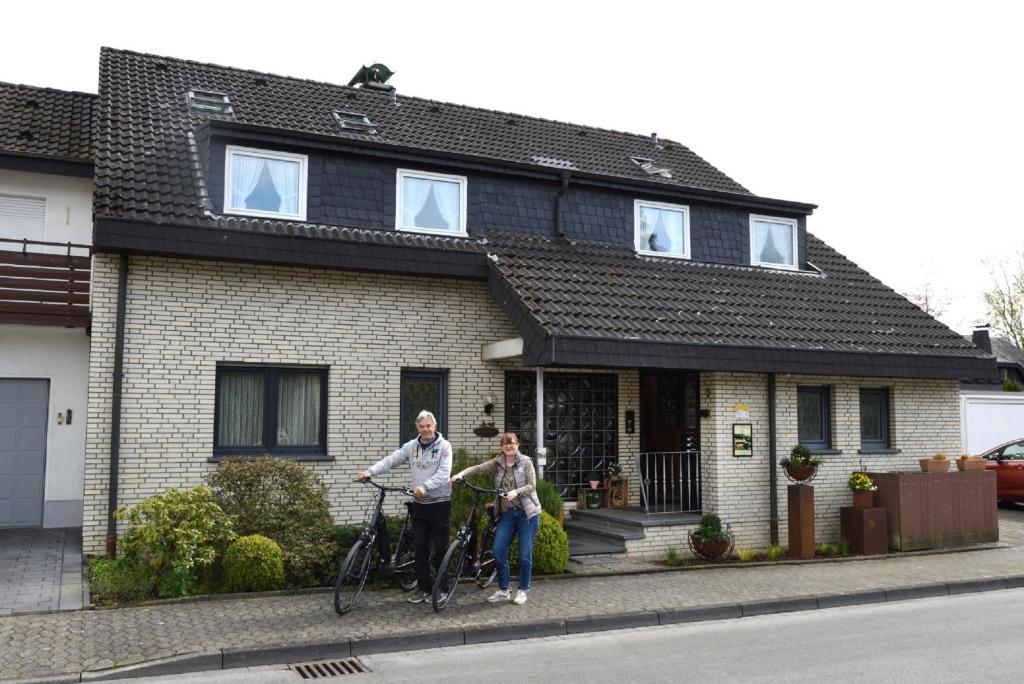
924,419
184,317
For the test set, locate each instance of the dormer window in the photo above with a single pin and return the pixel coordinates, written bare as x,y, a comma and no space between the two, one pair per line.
265,183
431,203
773,242
209,102
662,229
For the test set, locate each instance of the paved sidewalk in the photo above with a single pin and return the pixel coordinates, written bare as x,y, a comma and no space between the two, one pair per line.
40,570
39,645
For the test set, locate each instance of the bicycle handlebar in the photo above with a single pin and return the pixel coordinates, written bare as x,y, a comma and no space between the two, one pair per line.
482,490
402,490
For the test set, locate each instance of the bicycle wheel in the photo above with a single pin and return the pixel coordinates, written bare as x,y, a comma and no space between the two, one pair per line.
488,568
449,573
352,577
405,561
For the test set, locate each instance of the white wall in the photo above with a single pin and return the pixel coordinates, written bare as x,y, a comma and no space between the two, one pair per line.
60,355
991,418
68,203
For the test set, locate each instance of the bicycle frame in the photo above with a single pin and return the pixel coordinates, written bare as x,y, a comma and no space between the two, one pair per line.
465,545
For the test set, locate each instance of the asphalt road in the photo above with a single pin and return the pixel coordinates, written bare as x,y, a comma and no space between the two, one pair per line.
967,638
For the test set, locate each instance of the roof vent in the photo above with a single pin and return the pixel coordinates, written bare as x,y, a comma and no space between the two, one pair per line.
209,102
654,141
652,168
32,104
354,121
553,163
375,75
260,81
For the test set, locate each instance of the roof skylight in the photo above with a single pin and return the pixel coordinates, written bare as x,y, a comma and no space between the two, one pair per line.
354,121
553,162
209,102
651,167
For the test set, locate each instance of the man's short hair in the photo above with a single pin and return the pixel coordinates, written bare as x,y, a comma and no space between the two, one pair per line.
426,415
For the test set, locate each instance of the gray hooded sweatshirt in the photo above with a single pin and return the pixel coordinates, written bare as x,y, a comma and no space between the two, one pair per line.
431,467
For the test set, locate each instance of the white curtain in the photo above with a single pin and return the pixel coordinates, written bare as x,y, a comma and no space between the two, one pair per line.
240,410
774,242
298,410
286,181
446,195
415,192
661,230
245,174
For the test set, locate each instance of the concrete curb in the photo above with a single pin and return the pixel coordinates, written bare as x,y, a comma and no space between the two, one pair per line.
246,657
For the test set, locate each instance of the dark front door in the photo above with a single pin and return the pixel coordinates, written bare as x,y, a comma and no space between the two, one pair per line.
670,440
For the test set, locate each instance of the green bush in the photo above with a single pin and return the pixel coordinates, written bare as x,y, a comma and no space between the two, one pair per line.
710,529
174,535
462,497
550,548
253,563
550,501
1011,386
286,502
118,581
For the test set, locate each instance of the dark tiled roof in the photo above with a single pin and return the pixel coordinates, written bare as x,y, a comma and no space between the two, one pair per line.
1006,353
44,121
148,161
602,291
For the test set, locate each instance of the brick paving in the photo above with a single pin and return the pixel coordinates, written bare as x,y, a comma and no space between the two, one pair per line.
40,570
39,645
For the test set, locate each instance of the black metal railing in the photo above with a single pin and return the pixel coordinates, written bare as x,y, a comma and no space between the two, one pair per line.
670,481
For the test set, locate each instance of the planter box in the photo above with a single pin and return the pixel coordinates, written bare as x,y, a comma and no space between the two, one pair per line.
864,529
930,510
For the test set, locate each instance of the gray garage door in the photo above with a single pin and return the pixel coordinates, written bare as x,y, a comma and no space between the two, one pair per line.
23,409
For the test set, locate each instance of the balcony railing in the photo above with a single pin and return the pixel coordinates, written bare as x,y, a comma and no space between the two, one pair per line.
670,481
44,283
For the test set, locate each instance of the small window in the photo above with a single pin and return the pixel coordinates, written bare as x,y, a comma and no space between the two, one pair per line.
262,183
423,390
773,242
874,418
21,218
270,410
813,417
209,102
356,121
662,229
431,202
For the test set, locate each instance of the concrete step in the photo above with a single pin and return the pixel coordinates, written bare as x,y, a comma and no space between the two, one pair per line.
603,528
583,543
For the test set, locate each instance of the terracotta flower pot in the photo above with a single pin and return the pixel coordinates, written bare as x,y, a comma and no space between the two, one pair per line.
970,463
711,548
931,465
863,499
800,473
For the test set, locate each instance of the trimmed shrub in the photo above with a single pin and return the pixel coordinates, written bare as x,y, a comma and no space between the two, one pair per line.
550,501
119,581
174,535
253,563
286,502
550,548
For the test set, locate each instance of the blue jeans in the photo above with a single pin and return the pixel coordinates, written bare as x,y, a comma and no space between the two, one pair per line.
512,522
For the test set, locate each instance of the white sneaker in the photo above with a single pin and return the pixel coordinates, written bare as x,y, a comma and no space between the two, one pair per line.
520,598
420,597
500,595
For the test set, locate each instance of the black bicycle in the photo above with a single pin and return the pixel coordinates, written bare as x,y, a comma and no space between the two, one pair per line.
356,566
469,545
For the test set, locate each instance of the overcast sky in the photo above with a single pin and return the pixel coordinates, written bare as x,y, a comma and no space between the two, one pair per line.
903,122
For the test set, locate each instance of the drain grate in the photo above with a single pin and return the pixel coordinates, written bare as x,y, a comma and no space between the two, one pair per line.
329,668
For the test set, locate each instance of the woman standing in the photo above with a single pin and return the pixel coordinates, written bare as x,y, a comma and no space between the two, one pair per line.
520,514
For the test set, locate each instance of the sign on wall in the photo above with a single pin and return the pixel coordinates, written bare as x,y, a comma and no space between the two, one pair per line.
742,439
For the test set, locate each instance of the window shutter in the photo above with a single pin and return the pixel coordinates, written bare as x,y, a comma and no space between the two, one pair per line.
21,217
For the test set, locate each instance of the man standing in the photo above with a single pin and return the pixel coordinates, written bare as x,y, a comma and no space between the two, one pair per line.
430,458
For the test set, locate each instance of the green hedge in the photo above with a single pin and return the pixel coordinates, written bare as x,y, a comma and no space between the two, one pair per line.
119,581
253,563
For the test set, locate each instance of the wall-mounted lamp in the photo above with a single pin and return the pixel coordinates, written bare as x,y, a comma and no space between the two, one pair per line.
488,404
60,419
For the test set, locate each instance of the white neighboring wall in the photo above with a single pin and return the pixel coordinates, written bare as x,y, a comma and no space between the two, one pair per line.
990,418
60,355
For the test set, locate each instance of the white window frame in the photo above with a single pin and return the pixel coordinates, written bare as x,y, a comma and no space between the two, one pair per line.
795,266
685,210
427,175
229,155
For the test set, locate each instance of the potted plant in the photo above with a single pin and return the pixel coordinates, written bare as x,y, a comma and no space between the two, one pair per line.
801,465
593,498
966,462
938,463
710,540
614,471
594,479
863,489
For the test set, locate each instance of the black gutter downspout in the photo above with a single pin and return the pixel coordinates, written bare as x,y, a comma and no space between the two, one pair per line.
115,408
773,468
560,206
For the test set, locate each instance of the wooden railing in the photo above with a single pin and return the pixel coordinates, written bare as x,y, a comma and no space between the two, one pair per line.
44,283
